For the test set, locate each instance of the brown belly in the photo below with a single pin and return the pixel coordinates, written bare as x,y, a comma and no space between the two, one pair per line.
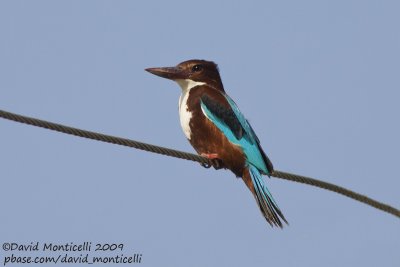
207,138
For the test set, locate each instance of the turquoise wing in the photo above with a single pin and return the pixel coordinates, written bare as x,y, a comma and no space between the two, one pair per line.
232,123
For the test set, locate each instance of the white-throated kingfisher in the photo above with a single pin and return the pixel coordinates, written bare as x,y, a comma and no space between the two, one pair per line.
217,129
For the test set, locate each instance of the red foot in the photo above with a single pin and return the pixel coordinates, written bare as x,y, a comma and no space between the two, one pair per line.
210,155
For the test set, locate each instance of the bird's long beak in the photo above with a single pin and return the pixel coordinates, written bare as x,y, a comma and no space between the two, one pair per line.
172,73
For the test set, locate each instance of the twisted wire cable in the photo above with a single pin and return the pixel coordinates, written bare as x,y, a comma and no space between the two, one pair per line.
189,156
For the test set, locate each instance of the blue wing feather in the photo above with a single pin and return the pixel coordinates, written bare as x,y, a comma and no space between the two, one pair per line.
245,124
249,142
238,131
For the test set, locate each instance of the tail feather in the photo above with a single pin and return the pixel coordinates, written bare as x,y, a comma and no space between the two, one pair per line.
254,181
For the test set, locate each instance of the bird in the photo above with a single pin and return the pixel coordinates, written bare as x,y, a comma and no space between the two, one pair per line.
217,130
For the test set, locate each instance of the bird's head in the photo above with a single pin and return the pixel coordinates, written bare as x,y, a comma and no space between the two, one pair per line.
191,73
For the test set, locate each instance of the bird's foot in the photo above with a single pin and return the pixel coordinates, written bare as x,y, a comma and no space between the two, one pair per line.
214,160
210,155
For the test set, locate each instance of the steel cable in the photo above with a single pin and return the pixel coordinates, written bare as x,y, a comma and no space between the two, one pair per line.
189,156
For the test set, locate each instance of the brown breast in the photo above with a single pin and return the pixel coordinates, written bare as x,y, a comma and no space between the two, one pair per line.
206,137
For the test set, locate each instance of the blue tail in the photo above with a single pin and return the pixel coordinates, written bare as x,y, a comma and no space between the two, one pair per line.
264,199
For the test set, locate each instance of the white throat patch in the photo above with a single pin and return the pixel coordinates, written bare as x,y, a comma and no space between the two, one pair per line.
188,84
184,114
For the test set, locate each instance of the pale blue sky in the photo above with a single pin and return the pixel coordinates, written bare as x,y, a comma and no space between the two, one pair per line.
318,80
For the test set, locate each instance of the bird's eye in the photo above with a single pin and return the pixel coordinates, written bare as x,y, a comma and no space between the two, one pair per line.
197,68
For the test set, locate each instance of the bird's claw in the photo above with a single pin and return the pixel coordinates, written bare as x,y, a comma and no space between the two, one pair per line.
213,161
206,165
216,163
